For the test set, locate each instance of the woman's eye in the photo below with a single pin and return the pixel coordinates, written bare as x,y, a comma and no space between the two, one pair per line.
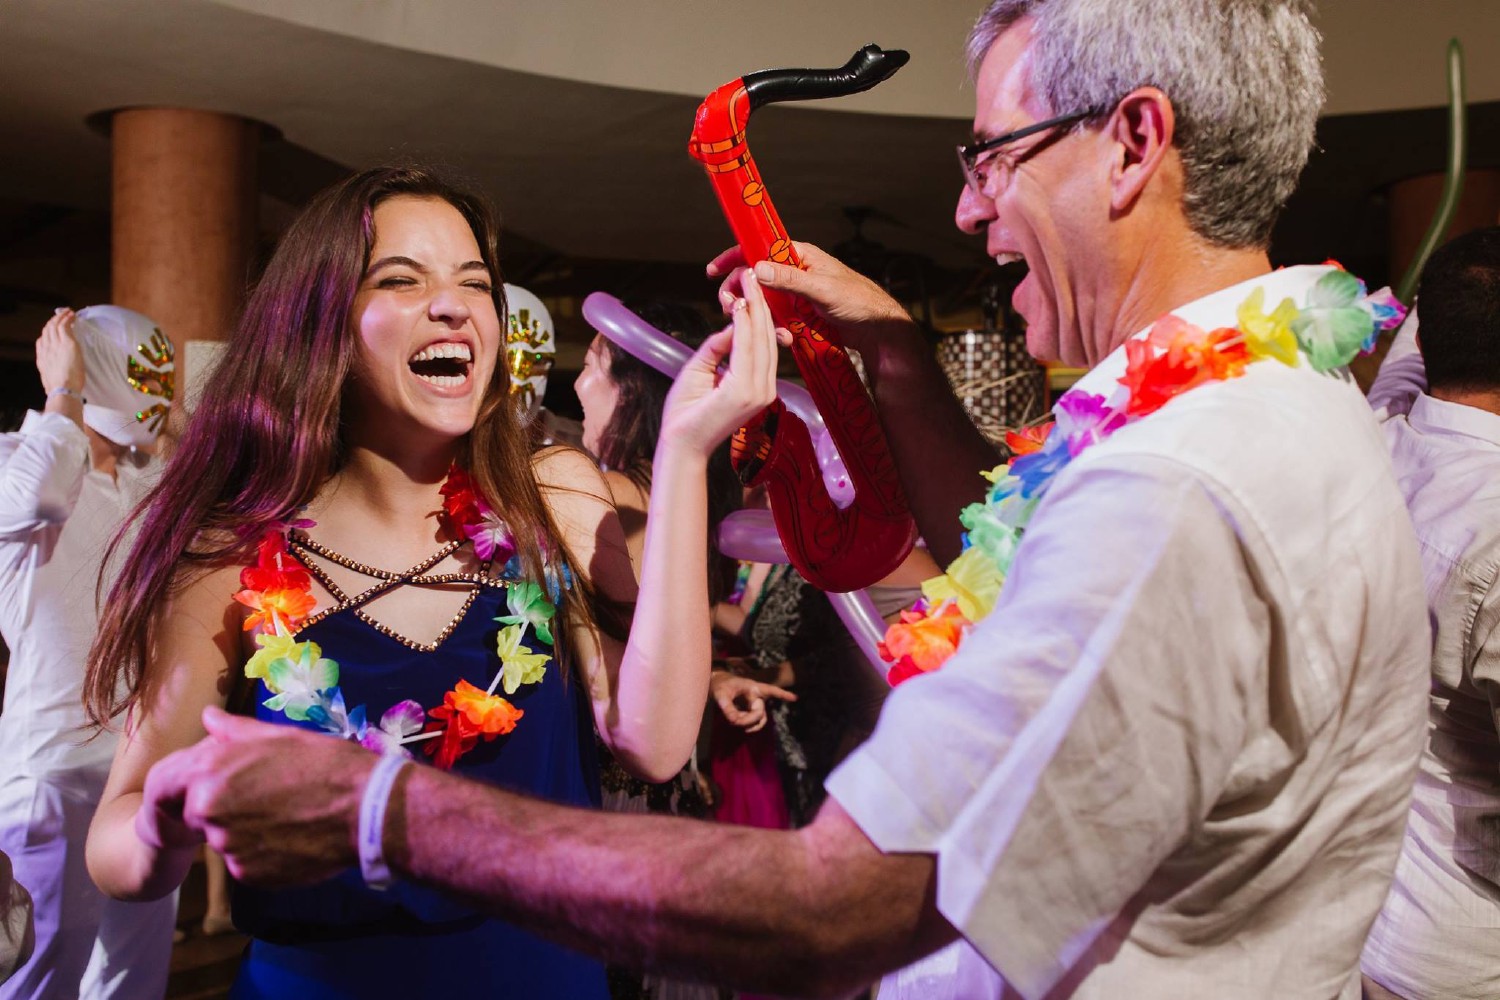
395,281
480,286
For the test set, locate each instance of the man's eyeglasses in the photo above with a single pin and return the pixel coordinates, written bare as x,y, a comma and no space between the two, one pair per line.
969,156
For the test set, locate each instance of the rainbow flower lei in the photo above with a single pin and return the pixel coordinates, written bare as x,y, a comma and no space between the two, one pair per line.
304,684
1339,321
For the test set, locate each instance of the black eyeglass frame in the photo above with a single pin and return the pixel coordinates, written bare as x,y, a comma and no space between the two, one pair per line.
968,156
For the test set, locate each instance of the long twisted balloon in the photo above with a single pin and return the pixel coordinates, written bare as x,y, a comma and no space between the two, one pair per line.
835,548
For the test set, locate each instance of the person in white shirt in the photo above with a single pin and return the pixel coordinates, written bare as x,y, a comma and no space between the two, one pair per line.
1175,759
1436,935
68,479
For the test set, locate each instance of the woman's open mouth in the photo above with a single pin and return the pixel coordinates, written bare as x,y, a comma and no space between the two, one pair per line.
443,365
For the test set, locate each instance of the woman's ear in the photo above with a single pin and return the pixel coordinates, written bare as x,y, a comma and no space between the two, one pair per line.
1142,127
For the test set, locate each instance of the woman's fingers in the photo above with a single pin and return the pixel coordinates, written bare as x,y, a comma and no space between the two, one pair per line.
726,261
772,691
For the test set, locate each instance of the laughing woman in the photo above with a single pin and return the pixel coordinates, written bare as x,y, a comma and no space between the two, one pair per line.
354,536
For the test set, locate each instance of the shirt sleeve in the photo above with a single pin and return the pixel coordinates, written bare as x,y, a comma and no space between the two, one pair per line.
1085,728
1402,376
41,473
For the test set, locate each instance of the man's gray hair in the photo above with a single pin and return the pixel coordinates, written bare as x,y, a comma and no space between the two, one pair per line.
1244,78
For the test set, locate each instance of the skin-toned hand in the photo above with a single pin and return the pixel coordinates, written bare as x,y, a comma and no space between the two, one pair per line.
706,404
59,359
59,362
243,790
743,701
857,307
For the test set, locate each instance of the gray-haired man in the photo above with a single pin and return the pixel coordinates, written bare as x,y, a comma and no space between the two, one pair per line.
1174,760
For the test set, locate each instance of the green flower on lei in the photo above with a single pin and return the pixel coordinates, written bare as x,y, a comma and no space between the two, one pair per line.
299,684
528,605
1332,328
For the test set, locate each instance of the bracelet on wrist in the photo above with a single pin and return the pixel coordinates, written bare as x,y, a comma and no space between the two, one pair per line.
63,390
372,807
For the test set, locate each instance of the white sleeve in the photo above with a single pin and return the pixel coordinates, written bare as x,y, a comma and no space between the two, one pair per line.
1086,727
17,929
41,473
1402,376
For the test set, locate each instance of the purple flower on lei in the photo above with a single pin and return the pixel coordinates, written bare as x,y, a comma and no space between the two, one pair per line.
491,537
1384,308
1084,419
403,719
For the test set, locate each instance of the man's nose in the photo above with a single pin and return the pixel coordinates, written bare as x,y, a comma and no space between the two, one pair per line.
973,211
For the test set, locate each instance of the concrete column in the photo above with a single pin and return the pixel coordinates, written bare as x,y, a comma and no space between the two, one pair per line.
183,226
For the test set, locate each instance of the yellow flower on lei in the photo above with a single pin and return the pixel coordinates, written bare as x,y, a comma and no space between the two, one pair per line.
973,581
519,664
1269,336
275,646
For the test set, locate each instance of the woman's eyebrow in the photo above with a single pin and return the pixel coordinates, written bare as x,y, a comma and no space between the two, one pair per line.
394,260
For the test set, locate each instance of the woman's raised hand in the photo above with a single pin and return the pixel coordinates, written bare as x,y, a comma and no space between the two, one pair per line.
59,358
707,403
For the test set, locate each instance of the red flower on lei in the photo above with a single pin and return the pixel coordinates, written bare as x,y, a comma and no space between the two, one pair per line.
1028,439
277,588
1177,356
462,505
466,714
921,642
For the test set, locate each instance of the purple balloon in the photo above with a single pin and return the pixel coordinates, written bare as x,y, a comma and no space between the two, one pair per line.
667,355
864,623
609,316
751,535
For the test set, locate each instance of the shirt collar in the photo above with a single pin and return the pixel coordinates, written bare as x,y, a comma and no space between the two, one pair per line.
1440,416
1210,312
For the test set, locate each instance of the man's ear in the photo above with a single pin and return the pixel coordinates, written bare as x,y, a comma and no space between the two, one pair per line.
1142,126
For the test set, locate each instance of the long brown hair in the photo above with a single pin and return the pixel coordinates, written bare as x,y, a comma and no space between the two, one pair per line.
267,433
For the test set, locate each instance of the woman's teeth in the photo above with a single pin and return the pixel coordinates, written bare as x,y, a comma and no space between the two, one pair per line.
443,351
442,380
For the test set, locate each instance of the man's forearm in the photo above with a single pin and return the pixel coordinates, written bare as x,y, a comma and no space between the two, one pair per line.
810,912
938,451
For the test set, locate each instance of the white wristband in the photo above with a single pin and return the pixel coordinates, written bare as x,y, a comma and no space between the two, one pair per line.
372,805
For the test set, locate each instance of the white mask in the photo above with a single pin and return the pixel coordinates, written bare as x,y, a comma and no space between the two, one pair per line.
129,374
529,348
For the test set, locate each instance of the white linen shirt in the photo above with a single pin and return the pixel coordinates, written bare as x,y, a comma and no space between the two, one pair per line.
1175,760
57,516
1439,932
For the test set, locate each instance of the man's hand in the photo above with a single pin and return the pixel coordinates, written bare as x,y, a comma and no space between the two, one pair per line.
859,309
59,359
280,804
743,701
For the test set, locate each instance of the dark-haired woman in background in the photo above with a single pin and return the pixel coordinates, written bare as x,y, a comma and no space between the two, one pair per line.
363,425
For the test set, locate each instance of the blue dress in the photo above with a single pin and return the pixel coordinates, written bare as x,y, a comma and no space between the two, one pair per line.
341,939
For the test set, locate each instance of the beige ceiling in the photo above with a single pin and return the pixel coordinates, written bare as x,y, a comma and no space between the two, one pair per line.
574,114
1374,48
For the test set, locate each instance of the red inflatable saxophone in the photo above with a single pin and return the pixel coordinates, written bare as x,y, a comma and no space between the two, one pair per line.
834,549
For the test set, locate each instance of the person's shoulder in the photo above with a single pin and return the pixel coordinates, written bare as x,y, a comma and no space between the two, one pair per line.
1271,418
626,492
562,466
